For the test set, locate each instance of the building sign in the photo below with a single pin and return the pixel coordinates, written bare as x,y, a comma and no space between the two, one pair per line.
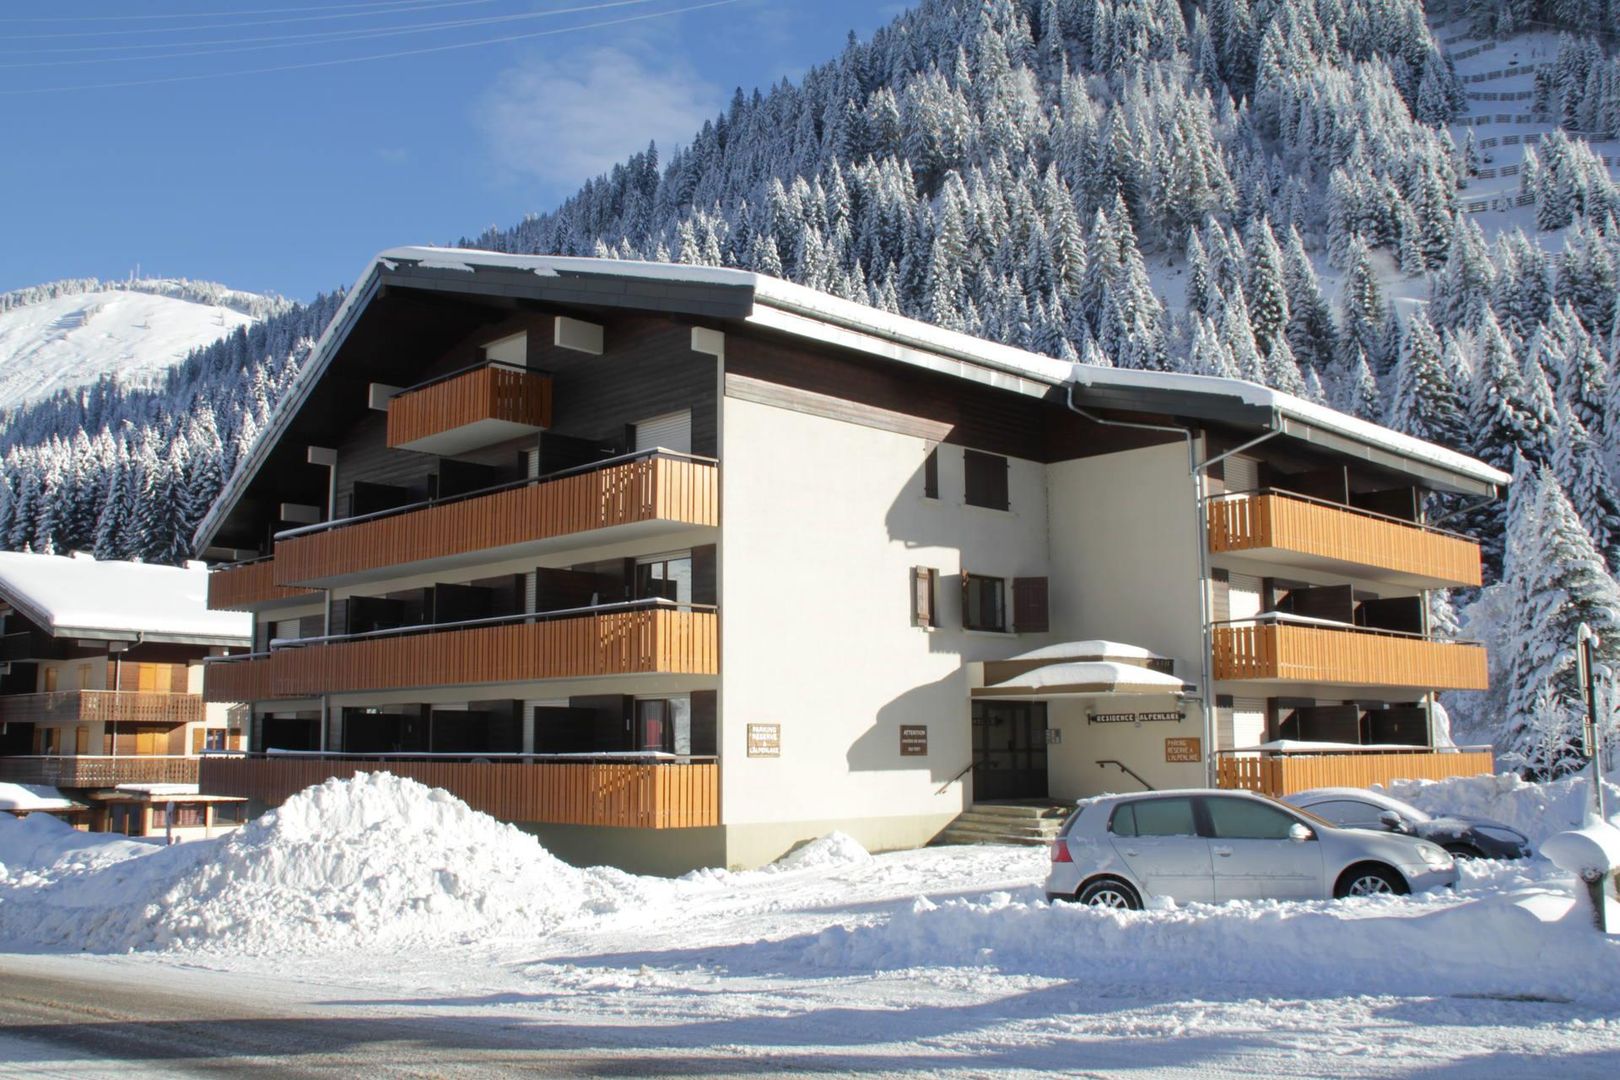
764,740
913,740
1188,750
1132,717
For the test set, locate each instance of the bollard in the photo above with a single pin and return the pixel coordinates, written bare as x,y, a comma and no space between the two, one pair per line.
1592,854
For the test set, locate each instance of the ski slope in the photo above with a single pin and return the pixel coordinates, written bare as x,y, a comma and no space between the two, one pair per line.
70,341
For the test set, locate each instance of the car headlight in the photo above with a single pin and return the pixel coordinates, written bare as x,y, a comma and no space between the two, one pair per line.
1502,833
1436,857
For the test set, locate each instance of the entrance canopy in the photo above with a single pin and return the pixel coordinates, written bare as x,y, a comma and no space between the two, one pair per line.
1076,669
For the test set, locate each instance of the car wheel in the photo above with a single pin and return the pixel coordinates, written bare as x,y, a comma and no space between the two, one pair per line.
1370,879
1110,893
1464,851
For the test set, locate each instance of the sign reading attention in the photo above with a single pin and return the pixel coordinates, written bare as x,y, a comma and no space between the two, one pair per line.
913,740
1132,717
1184,750
764,740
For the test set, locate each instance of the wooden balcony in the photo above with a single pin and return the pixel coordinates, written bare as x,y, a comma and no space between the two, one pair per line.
90,771
652,492
635,795
469,409
250,587
101,706
1329,656
1278,774
1306,533
615,642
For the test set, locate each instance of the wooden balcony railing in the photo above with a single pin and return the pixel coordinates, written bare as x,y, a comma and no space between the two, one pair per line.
101,706
641,795
1278,774
88,771
1346,657
502,400
655,486
613,642
1286,522
248,587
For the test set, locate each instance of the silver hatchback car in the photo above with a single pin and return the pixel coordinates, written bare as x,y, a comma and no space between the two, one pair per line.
1210,846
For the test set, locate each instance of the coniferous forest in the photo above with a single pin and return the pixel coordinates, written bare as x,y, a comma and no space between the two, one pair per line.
1285,191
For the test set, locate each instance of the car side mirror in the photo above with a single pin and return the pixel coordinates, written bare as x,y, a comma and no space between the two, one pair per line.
1298,832
1392,821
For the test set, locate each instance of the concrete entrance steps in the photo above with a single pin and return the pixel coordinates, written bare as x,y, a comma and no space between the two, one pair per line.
1006,823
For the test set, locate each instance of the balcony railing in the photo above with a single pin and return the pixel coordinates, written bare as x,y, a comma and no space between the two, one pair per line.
1278,651
618,639
101,706
1304,531
88,771
470,408
250,586
657,794
651,486
1279,773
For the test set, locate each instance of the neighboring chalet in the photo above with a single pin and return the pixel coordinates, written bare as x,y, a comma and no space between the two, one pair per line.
102,717
680,566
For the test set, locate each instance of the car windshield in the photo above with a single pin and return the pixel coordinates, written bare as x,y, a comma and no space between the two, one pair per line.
1301,812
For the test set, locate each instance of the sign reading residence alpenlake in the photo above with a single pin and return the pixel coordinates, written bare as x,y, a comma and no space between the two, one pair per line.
913,740
1131,717
764,740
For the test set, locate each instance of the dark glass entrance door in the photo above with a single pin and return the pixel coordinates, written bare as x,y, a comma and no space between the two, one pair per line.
1009,750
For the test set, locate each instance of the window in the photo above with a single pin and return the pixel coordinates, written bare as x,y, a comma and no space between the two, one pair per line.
229,813
922,596
664,724
215,739
666,577
1154,817
986,479
983,603
931,474
1245,819
1349,812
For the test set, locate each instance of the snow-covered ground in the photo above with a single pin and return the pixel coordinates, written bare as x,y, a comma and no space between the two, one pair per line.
936,960
73,340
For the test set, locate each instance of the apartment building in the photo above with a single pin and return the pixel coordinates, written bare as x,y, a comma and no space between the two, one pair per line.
681,566
101,678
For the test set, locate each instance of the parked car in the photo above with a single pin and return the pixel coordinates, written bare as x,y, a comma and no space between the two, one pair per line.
1464,836
1214,845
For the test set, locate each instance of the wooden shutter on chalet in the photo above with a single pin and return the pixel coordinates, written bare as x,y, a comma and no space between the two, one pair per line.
1029,605
922,596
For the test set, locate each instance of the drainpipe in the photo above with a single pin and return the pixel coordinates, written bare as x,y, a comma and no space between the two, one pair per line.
1197,471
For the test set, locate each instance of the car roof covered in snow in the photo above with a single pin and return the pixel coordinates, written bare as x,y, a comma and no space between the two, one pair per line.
771,304
77,596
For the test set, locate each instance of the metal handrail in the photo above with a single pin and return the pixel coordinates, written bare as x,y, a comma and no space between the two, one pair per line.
1345,507
965,770
1124,768
479,366
1284,618
510,485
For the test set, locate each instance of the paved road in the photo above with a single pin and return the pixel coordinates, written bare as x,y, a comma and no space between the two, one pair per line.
56,1021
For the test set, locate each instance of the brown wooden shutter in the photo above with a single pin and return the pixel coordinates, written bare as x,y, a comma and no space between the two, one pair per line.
197,736
1029,605
922,596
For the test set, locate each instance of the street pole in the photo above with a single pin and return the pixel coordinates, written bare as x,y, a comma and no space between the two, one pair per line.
1586,644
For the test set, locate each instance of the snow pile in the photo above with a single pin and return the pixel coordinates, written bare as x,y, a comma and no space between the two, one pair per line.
1537,810
376,861
829,852
40,848
1529,942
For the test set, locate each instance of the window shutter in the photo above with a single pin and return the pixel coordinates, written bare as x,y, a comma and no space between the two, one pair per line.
922,596
1029,605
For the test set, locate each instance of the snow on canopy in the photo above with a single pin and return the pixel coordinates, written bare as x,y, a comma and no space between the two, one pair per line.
1091,649
80,596
1093,676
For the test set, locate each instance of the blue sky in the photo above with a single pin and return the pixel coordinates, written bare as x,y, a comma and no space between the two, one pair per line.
115,154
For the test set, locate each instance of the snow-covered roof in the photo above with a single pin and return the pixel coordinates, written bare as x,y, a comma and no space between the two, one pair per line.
81,597
29,797
1092,649
1090,677
774,304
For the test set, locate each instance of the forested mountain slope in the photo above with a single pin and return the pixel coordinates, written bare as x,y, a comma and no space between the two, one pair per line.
1396,210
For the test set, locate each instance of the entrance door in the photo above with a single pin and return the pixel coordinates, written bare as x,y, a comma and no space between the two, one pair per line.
1009,750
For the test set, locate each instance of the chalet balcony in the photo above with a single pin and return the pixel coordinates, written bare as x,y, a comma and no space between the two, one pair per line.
1284,529
94,771
251,586
468,409
648,493
1284,772
661,793
101,706
618,639
1344,656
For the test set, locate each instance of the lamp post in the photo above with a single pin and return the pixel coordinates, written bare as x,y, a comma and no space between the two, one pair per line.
1590,672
